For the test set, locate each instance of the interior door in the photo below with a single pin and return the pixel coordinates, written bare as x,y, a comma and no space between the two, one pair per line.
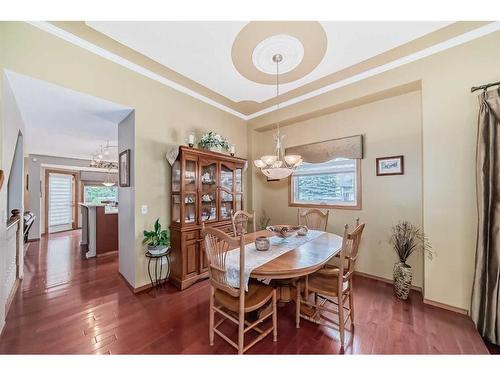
61,193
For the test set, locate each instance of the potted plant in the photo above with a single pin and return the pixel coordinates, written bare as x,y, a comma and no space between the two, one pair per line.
213,142
264,220
406,238
157,240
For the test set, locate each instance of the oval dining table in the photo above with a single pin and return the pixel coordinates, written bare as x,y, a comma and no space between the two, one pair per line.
300,261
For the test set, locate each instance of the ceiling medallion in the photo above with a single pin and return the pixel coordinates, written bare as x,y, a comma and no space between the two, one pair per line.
290,48
302,44
277,166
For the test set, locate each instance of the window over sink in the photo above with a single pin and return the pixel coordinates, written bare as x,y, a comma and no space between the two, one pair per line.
332,184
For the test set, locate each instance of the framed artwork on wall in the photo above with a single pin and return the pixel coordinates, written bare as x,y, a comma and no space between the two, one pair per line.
124,168
390,165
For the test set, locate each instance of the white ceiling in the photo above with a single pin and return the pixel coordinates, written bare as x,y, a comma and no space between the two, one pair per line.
63,122
201,50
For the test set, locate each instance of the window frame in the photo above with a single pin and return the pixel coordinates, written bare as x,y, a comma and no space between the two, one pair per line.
357,206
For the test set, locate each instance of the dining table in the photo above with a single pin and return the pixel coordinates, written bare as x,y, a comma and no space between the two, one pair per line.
301,260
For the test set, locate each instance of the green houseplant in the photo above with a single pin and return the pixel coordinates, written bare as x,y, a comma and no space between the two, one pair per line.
157,239
406,238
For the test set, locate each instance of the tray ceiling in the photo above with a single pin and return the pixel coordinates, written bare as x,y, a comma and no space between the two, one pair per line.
202,51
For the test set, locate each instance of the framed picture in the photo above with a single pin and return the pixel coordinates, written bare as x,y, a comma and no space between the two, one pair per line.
390,165
124,168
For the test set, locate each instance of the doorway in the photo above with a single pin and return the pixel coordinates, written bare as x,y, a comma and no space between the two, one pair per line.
60,201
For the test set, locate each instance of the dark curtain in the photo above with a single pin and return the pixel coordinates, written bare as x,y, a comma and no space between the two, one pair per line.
485,309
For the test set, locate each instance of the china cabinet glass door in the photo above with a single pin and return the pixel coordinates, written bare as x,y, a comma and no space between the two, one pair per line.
208,190
176,177
189,191
190,175
189,208
176,208
226,191
238,173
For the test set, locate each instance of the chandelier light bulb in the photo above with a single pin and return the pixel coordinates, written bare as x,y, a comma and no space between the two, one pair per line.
292,159
259,163
269,159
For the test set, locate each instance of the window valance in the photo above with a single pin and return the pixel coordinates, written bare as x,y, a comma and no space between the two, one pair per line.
320,152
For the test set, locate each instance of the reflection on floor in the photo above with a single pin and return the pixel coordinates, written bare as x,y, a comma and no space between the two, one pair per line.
66,304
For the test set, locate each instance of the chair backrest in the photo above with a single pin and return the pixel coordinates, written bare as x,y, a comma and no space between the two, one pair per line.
240,222
350,248
217,244
313,218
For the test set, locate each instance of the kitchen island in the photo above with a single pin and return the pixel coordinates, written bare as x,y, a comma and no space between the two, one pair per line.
99,229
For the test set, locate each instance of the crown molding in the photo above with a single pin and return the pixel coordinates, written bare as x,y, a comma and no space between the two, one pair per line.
443,46
439,47
73,39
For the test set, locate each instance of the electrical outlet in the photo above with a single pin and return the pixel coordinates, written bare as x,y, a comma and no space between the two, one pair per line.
144,209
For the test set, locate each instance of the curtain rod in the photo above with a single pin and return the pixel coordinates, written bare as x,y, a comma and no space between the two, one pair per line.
484,87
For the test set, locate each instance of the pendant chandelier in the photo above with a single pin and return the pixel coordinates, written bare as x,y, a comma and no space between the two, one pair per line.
97,159
277,166
108,181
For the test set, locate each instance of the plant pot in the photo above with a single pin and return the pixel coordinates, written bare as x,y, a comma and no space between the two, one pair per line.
402,280
216,149
157,250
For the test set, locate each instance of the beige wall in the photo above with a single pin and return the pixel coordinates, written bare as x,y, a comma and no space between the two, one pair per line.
449,113
163,116
390,127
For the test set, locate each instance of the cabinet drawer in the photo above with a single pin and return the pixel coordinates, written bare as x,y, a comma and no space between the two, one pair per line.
227,229
190,236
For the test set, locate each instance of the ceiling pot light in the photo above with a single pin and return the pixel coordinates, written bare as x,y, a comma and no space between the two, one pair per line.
278,165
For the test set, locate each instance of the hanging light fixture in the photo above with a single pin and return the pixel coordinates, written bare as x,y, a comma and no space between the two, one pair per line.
278,165
107,181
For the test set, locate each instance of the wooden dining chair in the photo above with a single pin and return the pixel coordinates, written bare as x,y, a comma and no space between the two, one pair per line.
313,218
331,286
240,222
233,303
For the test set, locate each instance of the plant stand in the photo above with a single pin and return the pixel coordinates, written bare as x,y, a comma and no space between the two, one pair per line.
155,274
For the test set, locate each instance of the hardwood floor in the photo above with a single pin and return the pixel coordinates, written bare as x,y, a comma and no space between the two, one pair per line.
67,304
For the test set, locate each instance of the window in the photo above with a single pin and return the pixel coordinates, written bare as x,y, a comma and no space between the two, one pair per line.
97,194
334,183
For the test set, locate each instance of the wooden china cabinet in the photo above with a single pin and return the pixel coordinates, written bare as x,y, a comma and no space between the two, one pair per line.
207,187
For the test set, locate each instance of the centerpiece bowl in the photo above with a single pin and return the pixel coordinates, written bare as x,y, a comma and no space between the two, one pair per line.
283,231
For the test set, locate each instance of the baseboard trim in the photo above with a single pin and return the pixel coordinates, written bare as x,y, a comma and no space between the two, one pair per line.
383,279
11,296
446,307
418,289
135,290
142,288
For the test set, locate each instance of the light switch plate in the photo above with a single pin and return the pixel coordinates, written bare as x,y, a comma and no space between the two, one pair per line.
144,209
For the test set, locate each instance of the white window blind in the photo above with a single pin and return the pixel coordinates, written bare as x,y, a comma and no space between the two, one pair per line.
60,199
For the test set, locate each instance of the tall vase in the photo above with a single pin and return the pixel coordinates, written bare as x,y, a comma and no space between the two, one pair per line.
402,280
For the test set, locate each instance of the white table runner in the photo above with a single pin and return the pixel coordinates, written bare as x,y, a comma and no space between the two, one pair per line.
255,258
